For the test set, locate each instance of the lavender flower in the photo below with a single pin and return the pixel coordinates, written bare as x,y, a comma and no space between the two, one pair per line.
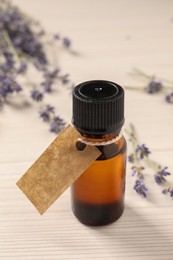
171,192
140,188
50,77
46,113
163,172
159,179
160,175
57,125
8,58
36,95
154,87
142,151
21,35
8,85
66,43
131,158
137,171
47,85
22,69
134,170
21,45
168,190
17,88
169,98
65,79
52,74
141,155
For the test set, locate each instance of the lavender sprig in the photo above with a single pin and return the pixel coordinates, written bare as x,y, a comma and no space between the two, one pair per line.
7,86
47,112
142,151
161,174
57,124
140,157
153,85
23,42
139,152
140,188
168,190
169,98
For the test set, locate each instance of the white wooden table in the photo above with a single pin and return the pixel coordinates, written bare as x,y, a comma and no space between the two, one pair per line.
112,37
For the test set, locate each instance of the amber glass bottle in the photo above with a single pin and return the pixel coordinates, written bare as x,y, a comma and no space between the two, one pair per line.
98,114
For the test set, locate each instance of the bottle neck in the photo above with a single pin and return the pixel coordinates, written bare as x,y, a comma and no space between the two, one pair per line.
101,137
110,150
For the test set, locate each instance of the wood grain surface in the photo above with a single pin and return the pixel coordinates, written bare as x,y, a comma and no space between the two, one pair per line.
111,38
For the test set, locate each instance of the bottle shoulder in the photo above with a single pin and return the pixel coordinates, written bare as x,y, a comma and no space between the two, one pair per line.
112,150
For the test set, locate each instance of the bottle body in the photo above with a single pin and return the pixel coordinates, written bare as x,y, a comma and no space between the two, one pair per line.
98,194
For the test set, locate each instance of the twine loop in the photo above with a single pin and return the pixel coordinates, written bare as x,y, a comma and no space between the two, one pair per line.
114,140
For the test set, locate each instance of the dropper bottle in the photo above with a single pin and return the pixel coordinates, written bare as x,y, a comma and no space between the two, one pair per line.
98,114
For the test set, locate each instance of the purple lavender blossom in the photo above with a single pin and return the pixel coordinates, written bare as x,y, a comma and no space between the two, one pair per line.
131,158
66,42
134,171
140,188
8,85
137,171
159,179
168,190
36,95
22,68
47,85
171,192
21,35
57,125
20,40
50,77
154,87
142,151
163,172
8,65
65,79
160,175
46,113
5,86
169,98
52,74
17,88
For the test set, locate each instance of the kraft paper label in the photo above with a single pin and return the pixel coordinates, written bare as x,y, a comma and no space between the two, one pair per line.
56,169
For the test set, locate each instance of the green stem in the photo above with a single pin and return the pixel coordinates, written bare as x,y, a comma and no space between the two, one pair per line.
9,42
143,74
134,143
151,77
54,54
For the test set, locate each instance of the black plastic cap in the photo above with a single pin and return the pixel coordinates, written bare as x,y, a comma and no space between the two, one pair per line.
98,107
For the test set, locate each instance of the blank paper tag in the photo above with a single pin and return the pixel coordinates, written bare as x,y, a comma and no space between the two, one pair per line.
56,169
